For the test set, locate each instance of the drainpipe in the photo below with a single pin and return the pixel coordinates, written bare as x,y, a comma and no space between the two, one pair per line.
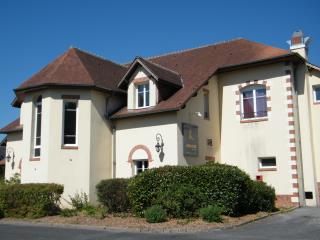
302,200
113,141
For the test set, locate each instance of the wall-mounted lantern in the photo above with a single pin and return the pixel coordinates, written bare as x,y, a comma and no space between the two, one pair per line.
160,144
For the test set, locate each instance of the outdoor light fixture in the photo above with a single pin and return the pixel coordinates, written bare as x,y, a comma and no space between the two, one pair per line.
159,145
8,157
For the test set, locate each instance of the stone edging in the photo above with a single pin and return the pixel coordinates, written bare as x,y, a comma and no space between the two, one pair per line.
134,230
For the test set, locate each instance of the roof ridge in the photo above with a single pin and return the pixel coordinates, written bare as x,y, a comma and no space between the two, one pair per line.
97,56
164,68
84,66
195,48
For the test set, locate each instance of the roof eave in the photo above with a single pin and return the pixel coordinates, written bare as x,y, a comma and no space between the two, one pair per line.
20,129
128,115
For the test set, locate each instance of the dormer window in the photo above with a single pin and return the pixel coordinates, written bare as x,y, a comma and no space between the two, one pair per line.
143,95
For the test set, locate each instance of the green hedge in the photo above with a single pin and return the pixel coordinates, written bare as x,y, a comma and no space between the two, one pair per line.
30,200
222,185
112,193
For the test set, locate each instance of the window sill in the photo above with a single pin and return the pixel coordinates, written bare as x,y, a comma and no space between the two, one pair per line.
316,103
267,169
250,120
69,147
33,159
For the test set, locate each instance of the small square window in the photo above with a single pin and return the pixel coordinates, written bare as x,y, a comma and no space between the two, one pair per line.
267,163
316,93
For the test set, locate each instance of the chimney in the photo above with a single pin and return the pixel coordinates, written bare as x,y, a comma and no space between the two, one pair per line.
299,43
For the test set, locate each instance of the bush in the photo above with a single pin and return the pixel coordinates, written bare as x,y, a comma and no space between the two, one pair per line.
15,179
223,185
112,193
212,213
260,198
155,214
30,200
101,212
68,212
1,213
181,200
79,201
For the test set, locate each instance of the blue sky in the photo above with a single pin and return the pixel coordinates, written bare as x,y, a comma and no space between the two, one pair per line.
33,33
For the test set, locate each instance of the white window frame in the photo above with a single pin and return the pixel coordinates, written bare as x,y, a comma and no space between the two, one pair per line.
143,167
314,93
254,89
266,167
63,122
35,146
144,95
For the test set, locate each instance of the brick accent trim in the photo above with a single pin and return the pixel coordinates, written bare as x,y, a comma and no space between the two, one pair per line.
140,80
34,159
142,147
238,99
292,149
210,158
285,201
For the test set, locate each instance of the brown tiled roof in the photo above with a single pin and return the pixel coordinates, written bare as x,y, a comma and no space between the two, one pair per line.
77,68
197,65
12,127
159,72
2,162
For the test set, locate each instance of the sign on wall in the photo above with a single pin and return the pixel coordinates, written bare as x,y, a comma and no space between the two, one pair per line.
190,140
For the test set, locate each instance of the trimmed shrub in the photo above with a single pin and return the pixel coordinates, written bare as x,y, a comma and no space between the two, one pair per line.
112,193
222,185
30,200
261,197
212,213
155,214
181,200
1,213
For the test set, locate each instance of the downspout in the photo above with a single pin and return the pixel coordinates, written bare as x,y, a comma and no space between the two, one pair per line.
302,201
113,140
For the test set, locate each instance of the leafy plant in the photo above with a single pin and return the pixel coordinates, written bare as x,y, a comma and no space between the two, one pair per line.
15,179
112,193
30,200
79,201
155,214
67,212
212,213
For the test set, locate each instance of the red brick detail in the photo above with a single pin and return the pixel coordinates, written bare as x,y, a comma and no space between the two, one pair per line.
267,88
254,120
267,169
285,201
140,80
291,123
295,194
237,112
290,105
294,158
289,88
210,158
292,131
33,159
288,80
289,97
142,147
293,166
290,114
268,99
294,176
237,102
237,92
293,149
295,185
292,140
269,109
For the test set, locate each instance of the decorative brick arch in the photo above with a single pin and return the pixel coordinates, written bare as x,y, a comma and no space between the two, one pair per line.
142,147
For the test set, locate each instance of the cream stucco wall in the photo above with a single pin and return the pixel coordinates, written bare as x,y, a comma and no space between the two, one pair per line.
79,170
14,148
193,113
243,143
131,132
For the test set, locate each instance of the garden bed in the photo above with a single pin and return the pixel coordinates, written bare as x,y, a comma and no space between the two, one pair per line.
127,222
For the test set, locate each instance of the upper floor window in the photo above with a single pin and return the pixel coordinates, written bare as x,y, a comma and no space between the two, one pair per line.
141,166
316,93
70,122
253,102
206,114
37,134
143,95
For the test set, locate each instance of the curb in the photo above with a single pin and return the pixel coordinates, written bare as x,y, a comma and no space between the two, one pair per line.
135,230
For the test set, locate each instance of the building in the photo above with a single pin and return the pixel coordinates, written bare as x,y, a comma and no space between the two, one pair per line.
84,118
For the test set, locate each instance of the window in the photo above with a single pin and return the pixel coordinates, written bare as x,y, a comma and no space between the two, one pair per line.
254,102
141,166
37,135
316,93
70,123
143,95
206,105
269,162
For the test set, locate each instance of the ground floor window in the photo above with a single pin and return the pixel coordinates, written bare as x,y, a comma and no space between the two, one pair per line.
140,166
268,162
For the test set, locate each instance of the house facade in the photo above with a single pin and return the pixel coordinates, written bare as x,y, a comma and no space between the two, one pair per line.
84,118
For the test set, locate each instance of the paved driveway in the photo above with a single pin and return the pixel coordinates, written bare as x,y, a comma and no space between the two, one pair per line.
301,224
